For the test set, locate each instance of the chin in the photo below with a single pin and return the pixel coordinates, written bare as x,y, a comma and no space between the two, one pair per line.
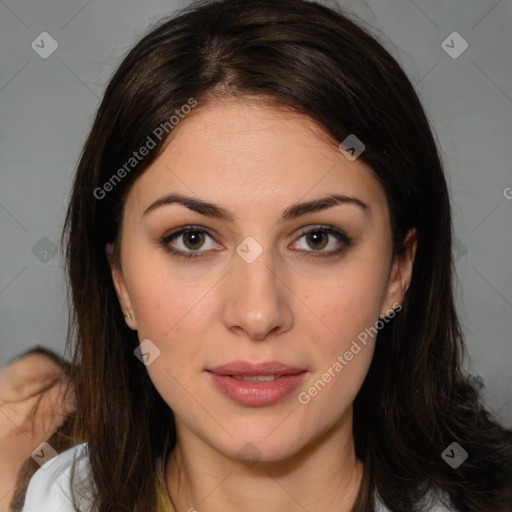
257,445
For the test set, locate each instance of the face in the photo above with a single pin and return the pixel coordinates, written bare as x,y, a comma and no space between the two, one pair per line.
262,283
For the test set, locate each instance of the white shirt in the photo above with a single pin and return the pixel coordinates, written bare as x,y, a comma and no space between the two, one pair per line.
49,489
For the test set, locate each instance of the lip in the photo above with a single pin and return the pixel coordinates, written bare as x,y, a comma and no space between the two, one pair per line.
253,393
247,368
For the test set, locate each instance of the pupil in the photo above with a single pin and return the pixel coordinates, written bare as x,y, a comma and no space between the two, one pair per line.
315,238
195,239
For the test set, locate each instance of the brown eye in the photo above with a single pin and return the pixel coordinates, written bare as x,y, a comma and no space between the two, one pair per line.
322,241
193,239
317,239
190,242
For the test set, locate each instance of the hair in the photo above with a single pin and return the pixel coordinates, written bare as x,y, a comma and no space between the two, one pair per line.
306,58
62,438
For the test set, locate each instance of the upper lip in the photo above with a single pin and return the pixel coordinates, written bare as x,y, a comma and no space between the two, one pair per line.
253,369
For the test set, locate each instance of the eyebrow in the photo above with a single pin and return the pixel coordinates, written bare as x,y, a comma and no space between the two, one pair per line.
292,212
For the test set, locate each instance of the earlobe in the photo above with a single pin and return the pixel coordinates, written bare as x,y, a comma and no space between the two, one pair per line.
120,287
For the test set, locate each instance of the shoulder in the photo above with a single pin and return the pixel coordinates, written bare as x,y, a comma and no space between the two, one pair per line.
50,488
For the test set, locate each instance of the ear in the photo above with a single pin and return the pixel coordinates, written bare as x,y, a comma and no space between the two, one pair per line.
400,275
120,286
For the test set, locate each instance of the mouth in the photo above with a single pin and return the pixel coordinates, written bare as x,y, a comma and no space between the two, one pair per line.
256,384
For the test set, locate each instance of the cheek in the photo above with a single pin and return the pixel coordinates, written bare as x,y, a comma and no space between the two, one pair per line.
167,299
350,308
172,313
350,303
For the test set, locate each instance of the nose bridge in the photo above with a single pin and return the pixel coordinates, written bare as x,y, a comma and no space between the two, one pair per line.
256,299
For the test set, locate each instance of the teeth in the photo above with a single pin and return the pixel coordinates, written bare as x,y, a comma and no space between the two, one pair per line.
258,378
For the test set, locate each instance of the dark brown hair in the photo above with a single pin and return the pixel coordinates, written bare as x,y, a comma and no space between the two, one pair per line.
315,61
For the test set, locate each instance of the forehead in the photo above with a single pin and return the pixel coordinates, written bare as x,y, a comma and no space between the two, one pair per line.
232,149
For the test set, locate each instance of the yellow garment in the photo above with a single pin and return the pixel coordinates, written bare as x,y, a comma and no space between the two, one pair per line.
164,500
164,503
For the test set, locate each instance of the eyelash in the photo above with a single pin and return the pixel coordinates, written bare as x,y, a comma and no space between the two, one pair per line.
338,234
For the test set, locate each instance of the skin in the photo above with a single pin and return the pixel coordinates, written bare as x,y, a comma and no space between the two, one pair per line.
256,161
20,430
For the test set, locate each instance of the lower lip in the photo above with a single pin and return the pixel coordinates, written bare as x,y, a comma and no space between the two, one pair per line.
257,394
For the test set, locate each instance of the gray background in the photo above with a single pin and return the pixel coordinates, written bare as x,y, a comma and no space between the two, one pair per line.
47,106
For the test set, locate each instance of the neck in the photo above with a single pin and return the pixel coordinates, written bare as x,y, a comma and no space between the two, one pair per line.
323,476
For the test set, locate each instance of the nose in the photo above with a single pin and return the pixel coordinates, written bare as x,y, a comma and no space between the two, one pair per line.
257,301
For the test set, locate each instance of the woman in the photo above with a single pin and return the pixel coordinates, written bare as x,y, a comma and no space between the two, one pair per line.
259,252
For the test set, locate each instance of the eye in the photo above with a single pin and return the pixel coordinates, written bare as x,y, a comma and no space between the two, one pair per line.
190,240
318,238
